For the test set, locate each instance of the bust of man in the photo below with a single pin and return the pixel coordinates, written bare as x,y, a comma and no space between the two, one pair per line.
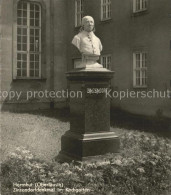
88,43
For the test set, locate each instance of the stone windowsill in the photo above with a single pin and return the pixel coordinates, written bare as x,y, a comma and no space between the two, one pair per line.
139,13
140,87
106,21
29,79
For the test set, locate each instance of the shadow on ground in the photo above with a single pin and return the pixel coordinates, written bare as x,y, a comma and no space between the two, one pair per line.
152,124
120,119
62,114
34,129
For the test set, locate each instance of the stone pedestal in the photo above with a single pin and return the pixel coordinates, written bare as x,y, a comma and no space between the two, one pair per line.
89,133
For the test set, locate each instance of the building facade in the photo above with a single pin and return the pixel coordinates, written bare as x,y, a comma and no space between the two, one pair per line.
33,52
36,51
136,45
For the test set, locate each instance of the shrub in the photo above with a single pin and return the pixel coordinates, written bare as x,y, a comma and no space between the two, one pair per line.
142,168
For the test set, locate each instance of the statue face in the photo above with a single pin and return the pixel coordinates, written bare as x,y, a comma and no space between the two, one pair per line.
89,24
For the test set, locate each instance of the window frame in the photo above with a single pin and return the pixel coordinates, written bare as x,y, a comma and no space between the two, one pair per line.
80,13
141,68
28,51
106,4
43,42
108,64
141,9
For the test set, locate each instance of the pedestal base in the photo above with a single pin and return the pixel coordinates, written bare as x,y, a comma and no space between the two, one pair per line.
89,135
84,147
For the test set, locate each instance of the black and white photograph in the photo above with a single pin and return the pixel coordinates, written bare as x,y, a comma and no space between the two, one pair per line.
85,97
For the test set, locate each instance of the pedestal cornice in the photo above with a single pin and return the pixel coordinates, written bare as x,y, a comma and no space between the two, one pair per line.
90,74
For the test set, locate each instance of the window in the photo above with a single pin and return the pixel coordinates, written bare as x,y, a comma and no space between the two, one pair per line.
139,5
78,12
140,69
106,61
28,40
105,9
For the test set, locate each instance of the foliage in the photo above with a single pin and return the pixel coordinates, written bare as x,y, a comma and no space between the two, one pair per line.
143,167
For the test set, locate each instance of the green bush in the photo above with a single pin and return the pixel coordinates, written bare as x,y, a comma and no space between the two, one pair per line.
143,167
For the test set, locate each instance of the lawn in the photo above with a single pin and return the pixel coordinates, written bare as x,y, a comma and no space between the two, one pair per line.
38,133
31,141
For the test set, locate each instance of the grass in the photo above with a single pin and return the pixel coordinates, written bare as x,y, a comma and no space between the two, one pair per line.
142,167
32,131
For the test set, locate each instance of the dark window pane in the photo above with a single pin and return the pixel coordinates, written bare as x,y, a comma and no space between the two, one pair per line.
36,73
24,14
31,39
24,64
31,57
24,47
18,64
19,72
24,57
31,22
18,39
19,21
24,31
18,56
24,21
37,32
36,7
25,6
24,72
24,39
32,73
32,32
32,6
31,47
19,47
31,65
31,14
36,65
36,22
37,45
19,13
37,57
37,15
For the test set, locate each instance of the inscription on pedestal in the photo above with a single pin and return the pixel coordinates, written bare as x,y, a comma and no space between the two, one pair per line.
96,90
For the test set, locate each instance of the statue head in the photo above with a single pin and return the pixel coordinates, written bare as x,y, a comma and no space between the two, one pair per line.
88,44
87,24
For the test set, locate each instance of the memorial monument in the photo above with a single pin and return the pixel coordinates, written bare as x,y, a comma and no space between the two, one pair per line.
89,135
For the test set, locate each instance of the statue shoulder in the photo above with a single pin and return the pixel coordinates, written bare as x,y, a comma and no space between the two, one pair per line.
76,41
80,34
98,39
